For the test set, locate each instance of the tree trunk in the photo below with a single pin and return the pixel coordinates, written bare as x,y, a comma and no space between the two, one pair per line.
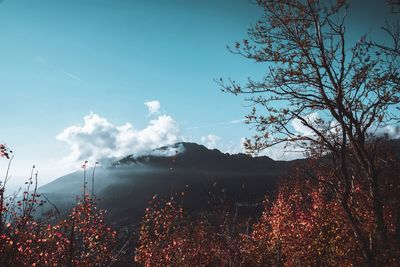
364,244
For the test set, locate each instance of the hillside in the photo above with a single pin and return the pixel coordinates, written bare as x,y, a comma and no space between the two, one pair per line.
206,176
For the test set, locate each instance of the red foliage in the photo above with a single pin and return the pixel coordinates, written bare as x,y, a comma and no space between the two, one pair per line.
89,239
4,151
80,239
302,227
168,237
307,223
316,218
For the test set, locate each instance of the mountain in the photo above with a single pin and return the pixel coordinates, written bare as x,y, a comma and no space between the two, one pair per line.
206,176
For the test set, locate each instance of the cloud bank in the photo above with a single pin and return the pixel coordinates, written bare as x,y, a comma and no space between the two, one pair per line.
98,139
302,129
153,106
210,141
391,131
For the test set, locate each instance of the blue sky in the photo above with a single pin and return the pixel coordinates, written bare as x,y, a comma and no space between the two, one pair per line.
61,60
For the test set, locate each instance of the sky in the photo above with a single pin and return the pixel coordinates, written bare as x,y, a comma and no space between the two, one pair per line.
96,79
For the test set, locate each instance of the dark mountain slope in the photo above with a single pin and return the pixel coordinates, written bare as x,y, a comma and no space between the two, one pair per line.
206,176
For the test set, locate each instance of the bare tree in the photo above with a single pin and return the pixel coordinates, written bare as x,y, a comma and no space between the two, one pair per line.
395,5
342,94
392,28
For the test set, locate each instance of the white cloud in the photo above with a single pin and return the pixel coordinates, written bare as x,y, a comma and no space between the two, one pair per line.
276,152
234,147
392,131
99,139
210,141
168,151
302,129
291,151
153,106
280,152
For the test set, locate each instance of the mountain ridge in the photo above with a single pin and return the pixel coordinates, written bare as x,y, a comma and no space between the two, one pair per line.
125,188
